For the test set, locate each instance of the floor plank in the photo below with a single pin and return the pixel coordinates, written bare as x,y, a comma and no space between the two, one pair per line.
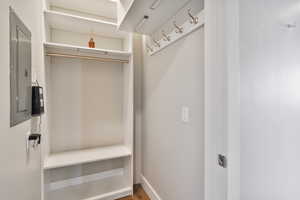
139,194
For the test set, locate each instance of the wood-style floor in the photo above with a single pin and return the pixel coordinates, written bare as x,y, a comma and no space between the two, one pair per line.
139,194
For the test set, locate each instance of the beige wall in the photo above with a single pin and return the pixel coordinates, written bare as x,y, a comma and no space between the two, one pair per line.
19,174
84,104
173,151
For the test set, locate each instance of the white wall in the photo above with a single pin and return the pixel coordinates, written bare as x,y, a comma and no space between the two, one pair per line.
173,151
270,99
20,175
85,104
72,38
138,112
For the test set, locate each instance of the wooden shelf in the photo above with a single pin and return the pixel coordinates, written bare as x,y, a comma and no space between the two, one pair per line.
137,9
84,25
70,158
51,47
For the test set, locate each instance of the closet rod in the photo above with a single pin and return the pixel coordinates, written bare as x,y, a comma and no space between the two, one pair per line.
88,57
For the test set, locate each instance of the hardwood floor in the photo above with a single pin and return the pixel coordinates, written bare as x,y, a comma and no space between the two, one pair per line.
139,194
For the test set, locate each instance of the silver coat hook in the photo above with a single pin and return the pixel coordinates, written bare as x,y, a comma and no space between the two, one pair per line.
156,43
178,29
165,36
291,25
193,20
150,49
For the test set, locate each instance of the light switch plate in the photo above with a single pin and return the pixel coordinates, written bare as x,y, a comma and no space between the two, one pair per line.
185,114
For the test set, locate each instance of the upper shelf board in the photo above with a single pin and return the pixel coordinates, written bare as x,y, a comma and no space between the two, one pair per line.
51,47
157,17
84,25
103,9
70,158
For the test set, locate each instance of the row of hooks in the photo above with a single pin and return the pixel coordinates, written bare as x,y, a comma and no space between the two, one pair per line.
178,29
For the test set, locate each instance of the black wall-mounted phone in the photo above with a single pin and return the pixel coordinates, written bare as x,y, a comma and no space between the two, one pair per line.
37,101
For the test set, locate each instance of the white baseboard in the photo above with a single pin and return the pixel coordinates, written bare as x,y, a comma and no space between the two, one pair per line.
84,179
113,195
149,189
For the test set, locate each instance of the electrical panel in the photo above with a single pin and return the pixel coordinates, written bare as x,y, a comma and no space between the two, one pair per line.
20,70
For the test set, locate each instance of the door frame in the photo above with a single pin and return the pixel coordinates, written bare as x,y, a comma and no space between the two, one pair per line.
222,96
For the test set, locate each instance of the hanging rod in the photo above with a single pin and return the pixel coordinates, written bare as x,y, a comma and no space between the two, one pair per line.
88,58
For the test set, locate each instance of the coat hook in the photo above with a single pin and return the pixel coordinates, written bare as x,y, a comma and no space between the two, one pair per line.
165,36
194,20
291,25
149,48
156,43
178,29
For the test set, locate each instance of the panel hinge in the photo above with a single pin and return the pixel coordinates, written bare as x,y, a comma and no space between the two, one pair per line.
222,160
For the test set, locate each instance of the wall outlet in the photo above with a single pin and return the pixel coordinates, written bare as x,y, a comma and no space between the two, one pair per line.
185,114
27,142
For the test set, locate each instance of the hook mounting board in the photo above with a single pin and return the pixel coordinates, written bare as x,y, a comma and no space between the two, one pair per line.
188,28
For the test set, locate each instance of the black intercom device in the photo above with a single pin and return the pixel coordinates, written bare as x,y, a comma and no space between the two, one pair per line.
38,107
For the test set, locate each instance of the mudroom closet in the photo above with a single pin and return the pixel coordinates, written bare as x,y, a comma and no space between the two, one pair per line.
92,57
89,144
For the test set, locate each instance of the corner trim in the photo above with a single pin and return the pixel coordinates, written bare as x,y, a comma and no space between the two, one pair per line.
149,189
